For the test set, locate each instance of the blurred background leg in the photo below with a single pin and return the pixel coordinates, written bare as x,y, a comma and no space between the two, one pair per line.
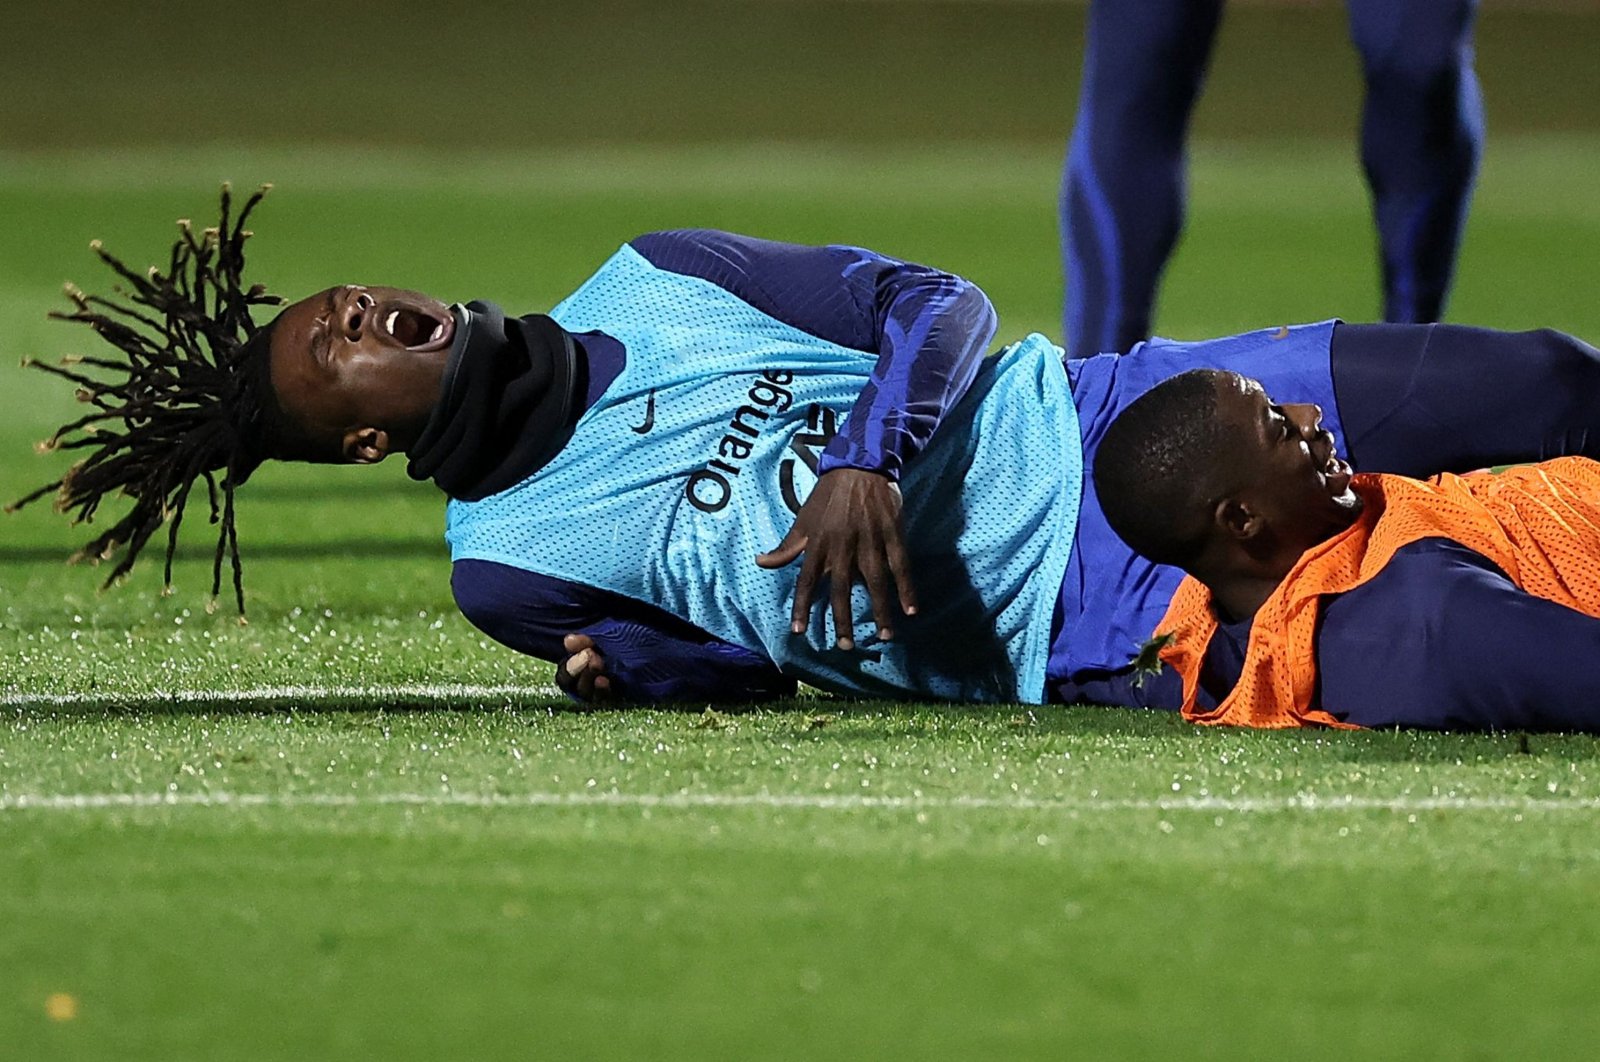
1421,138
1122,192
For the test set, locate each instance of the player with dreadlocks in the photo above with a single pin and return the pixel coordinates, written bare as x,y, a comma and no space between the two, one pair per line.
188,400
632,477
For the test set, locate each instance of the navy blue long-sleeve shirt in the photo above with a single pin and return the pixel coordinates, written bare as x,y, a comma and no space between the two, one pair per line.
1441,639
929,329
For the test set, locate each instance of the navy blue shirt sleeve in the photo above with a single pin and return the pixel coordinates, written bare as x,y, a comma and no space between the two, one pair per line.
1441,639
929,329
651,655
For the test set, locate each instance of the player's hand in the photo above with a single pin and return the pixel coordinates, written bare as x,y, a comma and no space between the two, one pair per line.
582,674
849,525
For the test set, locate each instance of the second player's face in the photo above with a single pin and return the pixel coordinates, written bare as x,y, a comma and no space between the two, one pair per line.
1291,467
355,357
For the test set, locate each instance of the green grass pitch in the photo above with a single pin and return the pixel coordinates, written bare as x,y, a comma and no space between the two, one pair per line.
355,829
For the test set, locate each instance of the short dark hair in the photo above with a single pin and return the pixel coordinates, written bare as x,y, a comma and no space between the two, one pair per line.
1162,463
189,396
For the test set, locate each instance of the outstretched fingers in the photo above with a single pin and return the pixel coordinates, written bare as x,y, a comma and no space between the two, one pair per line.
804,587
793,544
900,568
840,584
848,529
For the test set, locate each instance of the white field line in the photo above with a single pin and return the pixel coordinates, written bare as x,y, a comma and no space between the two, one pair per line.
15,802
308,694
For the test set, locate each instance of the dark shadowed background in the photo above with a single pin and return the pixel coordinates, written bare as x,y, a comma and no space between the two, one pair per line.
503,74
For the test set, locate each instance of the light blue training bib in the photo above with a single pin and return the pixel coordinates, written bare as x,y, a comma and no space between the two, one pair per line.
698,455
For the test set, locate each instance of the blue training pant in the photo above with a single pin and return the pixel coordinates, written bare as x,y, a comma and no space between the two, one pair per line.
1123,188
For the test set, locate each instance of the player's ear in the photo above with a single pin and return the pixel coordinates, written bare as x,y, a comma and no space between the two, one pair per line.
1237,520
366,446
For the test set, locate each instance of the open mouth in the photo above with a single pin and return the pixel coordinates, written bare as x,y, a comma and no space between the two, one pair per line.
417,329
1335,472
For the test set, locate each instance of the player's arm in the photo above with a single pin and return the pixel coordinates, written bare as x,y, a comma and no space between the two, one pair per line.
1442,639
626,650
929,330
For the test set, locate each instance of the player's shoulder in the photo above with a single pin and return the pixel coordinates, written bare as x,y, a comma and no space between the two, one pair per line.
730,247
673,239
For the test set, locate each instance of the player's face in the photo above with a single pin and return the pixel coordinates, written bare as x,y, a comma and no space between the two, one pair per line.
354,357
1292,470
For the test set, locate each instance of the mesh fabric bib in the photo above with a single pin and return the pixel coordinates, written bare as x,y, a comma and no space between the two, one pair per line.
697,456
1539,524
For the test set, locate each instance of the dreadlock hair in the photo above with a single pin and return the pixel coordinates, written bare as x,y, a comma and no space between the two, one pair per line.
1161,463
189,397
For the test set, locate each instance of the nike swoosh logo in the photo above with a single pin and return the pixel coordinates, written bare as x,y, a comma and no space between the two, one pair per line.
1281,333
649,415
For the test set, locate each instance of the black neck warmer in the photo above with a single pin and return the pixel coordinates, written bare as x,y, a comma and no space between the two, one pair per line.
507,403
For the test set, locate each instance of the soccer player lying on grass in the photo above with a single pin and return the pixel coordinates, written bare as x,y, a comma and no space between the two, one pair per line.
1319,597
633,477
